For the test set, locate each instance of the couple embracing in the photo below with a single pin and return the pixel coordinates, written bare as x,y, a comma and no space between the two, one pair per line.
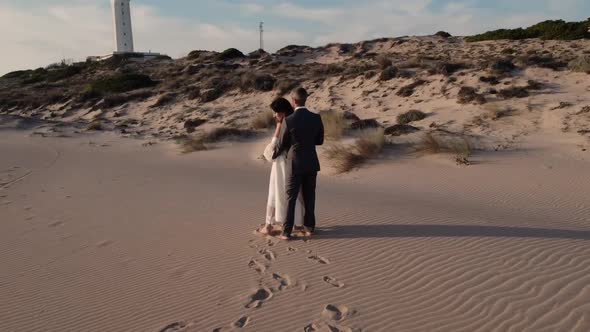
295,165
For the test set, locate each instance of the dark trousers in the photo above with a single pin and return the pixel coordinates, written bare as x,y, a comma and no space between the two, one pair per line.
305,182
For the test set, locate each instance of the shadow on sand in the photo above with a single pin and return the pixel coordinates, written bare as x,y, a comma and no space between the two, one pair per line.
417,231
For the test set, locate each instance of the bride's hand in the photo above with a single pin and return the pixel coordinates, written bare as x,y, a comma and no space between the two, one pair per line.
279,118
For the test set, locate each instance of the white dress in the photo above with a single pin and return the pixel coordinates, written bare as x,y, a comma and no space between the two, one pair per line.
276,207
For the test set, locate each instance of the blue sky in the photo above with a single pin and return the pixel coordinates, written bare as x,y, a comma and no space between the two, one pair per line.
35,33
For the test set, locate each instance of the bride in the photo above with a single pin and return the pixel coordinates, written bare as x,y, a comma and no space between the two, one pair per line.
276,208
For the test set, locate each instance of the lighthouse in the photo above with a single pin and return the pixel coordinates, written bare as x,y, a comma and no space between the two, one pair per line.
123,30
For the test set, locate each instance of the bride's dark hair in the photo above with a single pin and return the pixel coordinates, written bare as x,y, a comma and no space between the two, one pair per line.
282,105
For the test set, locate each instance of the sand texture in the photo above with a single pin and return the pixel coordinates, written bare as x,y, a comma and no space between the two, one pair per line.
101,233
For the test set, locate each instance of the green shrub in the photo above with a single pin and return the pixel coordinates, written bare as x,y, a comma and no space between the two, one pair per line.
443,34
230,54
411,116
581,64
259,82
389,73
408,90
547,30
122,83
18,74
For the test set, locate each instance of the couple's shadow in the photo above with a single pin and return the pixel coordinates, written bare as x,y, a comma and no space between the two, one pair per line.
425,231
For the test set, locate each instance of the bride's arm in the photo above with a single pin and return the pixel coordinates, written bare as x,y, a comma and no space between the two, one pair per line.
283,139
270,148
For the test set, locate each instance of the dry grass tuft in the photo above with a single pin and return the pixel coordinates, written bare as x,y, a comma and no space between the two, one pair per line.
95,125
346,157
459,146
334,124
190,144
263,120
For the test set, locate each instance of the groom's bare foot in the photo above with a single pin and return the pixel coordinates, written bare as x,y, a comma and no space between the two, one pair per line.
285,237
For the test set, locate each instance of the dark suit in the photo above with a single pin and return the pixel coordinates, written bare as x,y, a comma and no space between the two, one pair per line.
304,132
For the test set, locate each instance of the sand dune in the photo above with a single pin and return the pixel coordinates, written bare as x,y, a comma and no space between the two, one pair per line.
102,234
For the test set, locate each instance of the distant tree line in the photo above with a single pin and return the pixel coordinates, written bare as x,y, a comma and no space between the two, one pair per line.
547,30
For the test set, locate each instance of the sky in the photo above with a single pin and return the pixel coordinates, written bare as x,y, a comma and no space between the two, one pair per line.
35,33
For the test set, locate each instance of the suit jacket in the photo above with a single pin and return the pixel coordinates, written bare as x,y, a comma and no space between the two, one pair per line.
304,132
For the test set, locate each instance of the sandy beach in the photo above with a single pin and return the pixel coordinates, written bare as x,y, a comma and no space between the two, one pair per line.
101,233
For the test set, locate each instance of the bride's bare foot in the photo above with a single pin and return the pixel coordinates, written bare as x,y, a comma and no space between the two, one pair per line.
266,229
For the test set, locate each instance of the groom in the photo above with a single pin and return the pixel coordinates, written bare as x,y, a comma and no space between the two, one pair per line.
304,131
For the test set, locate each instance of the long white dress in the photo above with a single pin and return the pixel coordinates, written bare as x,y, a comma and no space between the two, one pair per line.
276,207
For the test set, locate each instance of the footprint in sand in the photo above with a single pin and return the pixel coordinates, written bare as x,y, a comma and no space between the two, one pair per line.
257,266
326,327
104,244
284,281
319,259
174,327
268,254
242,322
335,313
258,298
56,224
333,281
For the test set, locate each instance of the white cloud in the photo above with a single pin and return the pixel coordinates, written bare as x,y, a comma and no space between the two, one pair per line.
48,32
38,37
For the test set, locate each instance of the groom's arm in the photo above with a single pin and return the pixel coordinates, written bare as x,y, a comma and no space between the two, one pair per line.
283,144
319,140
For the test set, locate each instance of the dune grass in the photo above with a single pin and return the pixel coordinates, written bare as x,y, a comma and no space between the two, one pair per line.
334,124
201,141
263,120
459,146
346,157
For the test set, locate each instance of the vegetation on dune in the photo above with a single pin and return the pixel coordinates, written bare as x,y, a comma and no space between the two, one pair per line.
443,34
259,82
230,54
434,143
408,90
334,124
469,95
411,116
345,157
199,142
547,30
121,83
582,64
50,74
263,120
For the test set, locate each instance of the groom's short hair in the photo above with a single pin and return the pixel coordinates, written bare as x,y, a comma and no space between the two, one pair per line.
300,96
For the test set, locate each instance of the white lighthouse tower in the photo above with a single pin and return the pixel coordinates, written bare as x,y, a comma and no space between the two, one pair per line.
123,30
